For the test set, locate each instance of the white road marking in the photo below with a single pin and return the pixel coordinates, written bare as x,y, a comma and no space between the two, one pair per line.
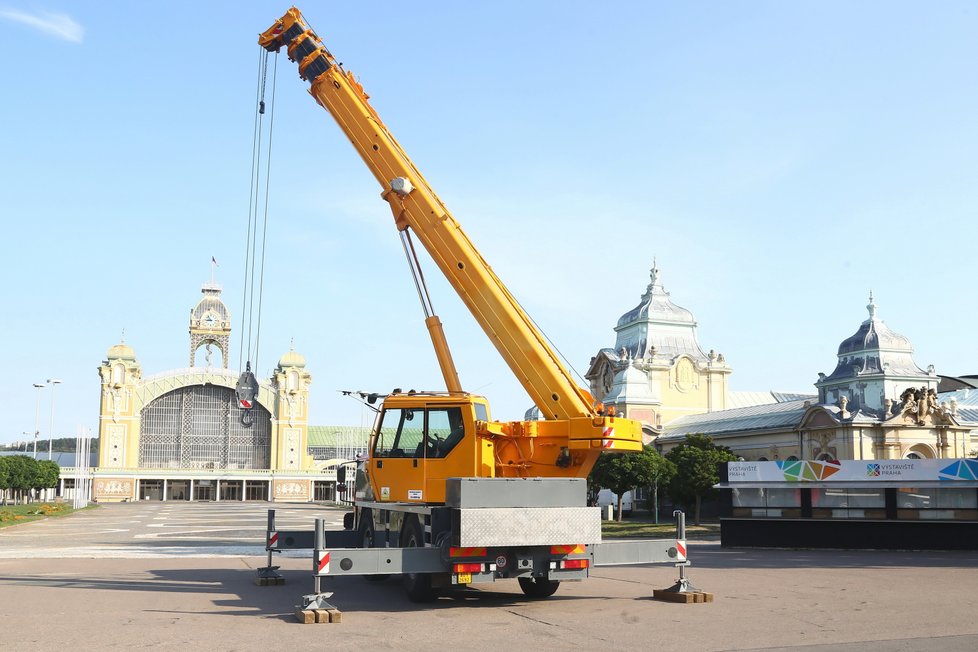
141,552
131,531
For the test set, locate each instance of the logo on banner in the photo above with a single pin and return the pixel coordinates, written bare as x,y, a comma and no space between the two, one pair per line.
960,470
803,471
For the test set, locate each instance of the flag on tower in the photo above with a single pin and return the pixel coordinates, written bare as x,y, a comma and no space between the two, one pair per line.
213,260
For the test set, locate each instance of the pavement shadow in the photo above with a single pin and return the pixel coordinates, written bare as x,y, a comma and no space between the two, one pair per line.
278,601
713,556
357,594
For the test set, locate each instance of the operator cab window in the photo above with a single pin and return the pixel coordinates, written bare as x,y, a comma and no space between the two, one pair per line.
445,431
481,412
419,433
401,432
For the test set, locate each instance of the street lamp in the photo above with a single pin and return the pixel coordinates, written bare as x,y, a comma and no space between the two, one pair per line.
37,415
52,382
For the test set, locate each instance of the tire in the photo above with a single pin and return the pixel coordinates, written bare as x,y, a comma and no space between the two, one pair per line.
417,585
538,587
368,539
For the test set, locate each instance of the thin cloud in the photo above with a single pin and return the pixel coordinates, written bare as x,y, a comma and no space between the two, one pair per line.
60,26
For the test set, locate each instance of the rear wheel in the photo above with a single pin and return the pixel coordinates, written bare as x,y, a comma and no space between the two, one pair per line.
417,585
368,538
538,587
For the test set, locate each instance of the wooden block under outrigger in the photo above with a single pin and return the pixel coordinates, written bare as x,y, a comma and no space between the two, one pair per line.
682,597
305,616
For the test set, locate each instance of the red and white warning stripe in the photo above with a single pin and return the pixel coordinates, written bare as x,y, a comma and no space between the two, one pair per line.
272,539
608,437
322,563
680,550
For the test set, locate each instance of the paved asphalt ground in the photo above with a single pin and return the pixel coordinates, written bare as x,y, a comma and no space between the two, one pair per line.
180,575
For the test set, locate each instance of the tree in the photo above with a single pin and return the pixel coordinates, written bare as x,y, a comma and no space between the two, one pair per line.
20,474
4,479
663,471
48,474
21,471
697,460
622,472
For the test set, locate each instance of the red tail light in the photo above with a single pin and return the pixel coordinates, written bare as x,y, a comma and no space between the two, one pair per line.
574,563
466,568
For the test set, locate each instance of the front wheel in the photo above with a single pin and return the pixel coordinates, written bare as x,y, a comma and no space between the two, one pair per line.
417,585
538,587
368,538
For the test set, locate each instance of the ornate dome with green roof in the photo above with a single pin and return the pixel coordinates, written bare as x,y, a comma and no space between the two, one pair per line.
292,358
121,351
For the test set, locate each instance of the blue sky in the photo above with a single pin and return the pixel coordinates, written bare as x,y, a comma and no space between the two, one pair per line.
778,160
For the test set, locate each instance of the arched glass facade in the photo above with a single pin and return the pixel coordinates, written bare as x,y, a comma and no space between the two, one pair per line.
199,427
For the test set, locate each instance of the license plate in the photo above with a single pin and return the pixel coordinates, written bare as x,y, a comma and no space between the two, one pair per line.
465,578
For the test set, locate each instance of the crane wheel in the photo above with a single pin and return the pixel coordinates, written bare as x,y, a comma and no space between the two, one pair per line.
417,585
367,540
538,587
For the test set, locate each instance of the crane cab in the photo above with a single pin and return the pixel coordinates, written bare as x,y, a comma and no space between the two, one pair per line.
421,439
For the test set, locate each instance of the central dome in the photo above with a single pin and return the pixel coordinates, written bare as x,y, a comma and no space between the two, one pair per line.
875,349
656,305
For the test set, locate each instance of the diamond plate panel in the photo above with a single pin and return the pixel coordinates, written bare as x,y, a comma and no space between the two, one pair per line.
529,526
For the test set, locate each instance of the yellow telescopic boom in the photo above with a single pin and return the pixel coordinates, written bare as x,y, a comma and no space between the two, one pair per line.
417,208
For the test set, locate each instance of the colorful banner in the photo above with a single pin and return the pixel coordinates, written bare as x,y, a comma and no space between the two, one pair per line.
853,471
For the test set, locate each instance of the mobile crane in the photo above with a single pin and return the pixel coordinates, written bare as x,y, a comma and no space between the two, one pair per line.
497,499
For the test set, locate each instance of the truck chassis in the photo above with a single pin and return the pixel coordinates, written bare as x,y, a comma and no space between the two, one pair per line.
479,536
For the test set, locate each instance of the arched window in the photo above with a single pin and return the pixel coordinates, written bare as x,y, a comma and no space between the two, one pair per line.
792,458
825,457
118,374
762,459
919,452
200,427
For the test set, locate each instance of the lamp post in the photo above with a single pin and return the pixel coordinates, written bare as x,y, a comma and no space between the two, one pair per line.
37,415
53,382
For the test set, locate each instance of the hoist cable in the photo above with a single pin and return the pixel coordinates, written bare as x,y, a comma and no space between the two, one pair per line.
264,231
253,222
255,155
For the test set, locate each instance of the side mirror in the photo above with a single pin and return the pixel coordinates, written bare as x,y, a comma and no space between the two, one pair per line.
341,474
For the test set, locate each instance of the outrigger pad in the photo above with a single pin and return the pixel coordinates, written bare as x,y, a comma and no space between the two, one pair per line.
682,597
312,616
268,576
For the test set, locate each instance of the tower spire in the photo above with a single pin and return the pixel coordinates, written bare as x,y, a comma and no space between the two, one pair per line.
871,306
